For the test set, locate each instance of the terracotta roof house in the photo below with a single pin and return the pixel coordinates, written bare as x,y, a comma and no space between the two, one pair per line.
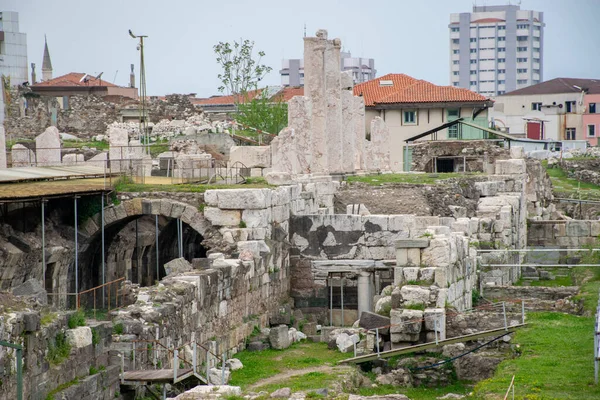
227,103
79,83
411,106
561,109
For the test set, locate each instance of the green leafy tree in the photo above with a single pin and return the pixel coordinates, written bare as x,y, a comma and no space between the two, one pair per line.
241,73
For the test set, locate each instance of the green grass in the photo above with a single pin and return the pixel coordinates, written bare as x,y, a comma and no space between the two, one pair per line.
307,382
48,318
193,188
62,387
562,185
558,281
58,350
556,360
419,179
417,393
263,364
73,144
76,319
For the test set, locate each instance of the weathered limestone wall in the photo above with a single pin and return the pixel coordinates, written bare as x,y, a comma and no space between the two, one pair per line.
563,233
40,376
478,154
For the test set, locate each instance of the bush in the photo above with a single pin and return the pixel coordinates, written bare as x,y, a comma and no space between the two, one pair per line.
59,350
118,329
95,336
77,319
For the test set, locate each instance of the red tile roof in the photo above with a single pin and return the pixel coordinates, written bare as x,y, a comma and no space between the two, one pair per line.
230,99
74,79
483,20
288,92
406,89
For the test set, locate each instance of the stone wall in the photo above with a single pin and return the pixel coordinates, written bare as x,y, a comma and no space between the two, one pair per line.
40,375
563,233
478,153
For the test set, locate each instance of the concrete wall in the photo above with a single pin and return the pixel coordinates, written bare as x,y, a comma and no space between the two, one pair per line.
591,119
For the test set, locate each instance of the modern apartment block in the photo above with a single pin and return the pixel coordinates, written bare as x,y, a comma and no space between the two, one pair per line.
496,49
363,69
13,52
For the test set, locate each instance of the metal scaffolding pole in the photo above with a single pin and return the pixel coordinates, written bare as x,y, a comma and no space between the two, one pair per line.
157,263
44,244
103,261
76,251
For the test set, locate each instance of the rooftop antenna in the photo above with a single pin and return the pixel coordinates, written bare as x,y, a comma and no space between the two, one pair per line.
97,78
304,29
115,78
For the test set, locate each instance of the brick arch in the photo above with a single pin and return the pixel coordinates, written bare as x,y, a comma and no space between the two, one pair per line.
130,209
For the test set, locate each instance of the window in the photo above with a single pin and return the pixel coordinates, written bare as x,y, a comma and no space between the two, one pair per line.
473,40
536,60
522,26
570,134
501,60
473,83
591,130
473,72
537,27
455,73
454,41
536,71
473,51
455,83
453,114
410,117
522,59
501,81
501,92
521,48
570,106
536,106
454,29
502,27
473,61
521,81
592,108
501,71
522,38
455,51
455,62
502,39
501,48
521,70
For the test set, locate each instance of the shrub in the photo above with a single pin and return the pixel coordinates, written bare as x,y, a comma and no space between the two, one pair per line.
59,350
77,319
95,336
118,329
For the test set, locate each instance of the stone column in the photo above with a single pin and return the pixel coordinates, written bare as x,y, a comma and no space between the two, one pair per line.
2,147
333,93
359,130
47,147
299,118
348,124
118,140
365,297
380,138
314,89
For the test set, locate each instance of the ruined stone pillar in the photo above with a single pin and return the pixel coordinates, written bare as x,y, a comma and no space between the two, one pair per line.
348,134
2,147
380,139
299,120
365,297
359,129
314,89
333,93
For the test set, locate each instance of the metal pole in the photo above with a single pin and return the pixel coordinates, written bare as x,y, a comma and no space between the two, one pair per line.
175,364
194,358
207,367
435,330
19,374
504,312
342,298
44,245
76,250
377,340
330,302
137,256
522,311
354,343
102,250
164,392
223,357
156,245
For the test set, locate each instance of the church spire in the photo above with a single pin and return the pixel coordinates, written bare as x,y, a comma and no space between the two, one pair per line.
46,63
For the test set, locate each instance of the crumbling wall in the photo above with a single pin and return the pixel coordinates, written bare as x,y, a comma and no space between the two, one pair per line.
478,154
563,233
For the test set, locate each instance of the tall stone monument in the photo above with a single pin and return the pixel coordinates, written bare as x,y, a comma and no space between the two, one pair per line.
47,148
326,126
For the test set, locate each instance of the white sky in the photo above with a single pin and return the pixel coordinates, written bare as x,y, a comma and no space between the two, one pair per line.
402,36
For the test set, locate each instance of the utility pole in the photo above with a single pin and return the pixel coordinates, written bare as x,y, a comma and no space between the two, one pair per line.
144,134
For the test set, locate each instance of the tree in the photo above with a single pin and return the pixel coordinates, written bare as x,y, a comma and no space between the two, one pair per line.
242,72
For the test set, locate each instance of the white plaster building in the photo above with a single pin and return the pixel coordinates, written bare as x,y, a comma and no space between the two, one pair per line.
551,110
13,52
496,49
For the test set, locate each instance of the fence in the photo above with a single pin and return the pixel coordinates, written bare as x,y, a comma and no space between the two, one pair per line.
597,342
101,297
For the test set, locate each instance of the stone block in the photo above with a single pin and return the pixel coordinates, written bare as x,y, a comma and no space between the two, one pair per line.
79,337
435,319
412,243
256,218
441,278
369,320
578,228
401,256
413,256
279,338
406,321
221,217
357,209
404,337
398,276
438,253
216,376
177,209
595,228
32,288
345,342
411,274
427,274
177,266
47,147
412,294
510,167
244,199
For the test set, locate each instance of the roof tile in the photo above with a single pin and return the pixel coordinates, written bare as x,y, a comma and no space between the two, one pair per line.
74,79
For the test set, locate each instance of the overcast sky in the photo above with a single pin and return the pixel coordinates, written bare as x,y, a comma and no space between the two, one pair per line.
402,36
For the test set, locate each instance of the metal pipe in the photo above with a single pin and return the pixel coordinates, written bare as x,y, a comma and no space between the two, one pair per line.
102,250
156,245
330,302
435,330
207,367
223,357
522,311
76,250
377,340
19,374
137,255
175,364
44,246
194,358
342,298
504,313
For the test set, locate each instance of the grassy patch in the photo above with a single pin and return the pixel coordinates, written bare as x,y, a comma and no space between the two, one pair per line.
416,393
556,360
263,364
48,318
306,382
418,179
73,144
58,350
76,319
62,387
558,281
563,186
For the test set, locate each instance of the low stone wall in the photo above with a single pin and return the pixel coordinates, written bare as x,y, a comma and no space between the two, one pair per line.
563,233
40,375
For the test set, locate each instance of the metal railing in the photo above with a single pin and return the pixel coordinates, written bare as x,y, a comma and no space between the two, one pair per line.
597,343
108,291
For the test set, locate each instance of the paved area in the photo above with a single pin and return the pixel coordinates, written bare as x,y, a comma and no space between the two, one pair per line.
50,173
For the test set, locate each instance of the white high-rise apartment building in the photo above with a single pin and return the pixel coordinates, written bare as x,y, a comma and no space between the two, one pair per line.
13,52
496,49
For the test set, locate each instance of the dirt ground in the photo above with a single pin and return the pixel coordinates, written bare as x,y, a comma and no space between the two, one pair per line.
386,199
